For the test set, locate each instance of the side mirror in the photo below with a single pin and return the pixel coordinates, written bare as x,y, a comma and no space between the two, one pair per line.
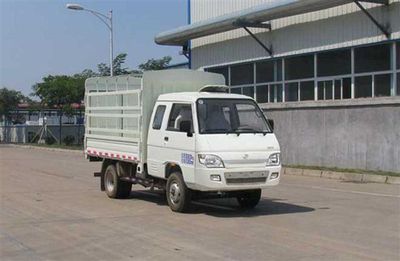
271,124
186,126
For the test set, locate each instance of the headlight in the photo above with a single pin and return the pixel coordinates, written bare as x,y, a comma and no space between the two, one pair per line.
211,161
274,159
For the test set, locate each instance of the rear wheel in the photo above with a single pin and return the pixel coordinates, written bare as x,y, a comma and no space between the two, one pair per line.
178,195
114,187
249,199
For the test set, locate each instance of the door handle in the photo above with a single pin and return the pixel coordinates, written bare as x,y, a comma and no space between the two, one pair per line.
166,138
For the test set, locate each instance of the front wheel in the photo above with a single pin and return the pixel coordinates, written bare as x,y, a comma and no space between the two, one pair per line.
178,195
114,186
249,199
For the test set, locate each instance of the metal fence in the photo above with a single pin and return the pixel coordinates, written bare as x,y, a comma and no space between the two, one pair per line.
39,126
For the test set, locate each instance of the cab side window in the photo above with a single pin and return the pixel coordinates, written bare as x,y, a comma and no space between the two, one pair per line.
180,113
158,117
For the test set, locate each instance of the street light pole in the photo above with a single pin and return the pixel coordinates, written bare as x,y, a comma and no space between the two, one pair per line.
111,44
107,20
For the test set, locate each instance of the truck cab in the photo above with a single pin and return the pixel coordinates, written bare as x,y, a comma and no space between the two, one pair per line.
205,142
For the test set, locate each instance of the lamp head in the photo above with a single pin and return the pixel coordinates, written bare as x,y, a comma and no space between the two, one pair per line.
74,7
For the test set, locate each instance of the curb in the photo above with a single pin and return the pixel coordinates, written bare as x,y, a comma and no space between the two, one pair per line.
41,148
345,176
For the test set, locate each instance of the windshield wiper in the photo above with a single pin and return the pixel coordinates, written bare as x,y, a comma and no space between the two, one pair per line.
216,131
250,130
246,129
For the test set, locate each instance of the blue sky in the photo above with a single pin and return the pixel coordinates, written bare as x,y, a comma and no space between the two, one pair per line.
41,37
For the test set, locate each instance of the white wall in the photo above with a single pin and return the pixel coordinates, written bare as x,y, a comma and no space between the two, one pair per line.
352,135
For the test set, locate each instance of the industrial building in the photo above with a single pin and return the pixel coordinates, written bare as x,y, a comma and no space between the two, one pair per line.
327,72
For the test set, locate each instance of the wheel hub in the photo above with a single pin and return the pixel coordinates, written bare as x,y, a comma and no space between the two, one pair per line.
174,193
109,182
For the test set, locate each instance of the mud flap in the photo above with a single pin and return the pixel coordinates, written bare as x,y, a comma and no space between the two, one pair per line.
101,176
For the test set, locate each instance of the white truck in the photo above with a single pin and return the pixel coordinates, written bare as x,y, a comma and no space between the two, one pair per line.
180,131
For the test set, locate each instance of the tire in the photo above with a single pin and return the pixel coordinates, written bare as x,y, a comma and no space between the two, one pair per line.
178,195
249,199
114,187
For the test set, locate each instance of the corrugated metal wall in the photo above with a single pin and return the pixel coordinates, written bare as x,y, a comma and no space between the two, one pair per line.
327,29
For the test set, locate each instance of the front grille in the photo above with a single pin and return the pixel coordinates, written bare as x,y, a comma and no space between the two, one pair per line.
245,180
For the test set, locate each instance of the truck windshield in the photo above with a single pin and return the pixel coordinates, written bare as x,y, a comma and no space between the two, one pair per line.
230,116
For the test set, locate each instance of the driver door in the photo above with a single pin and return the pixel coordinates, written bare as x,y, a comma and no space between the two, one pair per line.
179,147
175,146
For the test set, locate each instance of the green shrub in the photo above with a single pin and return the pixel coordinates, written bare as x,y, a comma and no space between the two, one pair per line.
69,140
50,140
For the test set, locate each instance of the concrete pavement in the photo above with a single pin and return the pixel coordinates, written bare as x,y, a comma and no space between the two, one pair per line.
52,209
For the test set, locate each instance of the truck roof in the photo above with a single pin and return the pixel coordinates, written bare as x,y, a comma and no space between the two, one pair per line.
194,96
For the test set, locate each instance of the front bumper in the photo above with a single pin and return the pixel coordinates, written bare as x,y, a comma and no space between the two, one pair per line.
231,180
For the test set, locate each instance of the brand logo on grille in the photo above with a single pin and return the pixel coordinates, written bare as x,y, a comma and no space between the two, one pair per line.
246,156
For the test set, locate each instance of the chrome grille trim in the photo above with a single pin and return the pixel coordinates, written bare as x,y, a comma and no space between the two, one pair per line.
245,180
251,177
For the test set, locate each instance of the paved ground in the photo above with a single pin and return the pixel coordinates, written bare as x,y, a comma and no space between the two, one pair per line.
52,209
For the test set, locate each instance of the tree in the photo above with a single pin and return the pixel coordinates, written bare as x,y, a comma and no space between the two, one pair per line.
87,73
118,69
104,69
9,100
155,64
60,90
